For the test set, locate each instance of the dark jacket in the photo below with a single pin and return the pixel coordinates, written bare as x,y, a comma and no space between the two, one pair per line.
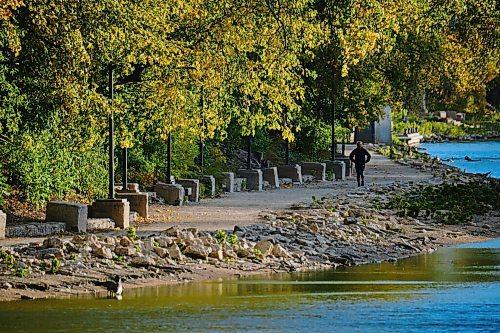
358,156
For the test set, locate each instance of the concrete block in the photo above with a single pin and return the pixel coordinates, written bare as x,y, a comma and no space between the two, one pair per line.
240,184
173,194
209,182
116,209
291,171
271,175
138,202
73,214
131,188
318,170
308,178
34,229
228,182
3,223
194,184
253,177
338,168
100,224
285,182
347,162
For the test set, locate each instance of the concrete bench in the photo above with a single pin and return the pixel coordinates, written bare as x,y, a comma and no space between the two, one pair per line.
34,229
348,164
240,184
270,175
131,188
293,172
138,202
173,194
253,177
209,182
338,168
3,223
116,209
228,182
73,214
318,170
95,224
194,185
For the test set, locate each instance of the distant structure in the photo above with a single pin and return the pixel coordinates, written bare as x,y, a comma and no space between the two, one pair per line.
379,131
454,117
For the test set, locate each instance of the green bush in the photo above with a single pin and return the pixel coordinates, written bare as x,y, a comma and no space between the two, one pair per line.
44,167
449,203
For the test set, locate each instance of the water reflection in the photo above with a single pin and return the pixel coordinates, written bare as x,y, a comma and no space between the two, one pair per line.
453,289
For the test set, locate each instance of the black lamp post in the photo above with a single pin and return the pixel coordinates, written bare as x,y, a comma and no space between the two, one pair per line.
201,159
111,129
249,152
169,159
333,130
125,167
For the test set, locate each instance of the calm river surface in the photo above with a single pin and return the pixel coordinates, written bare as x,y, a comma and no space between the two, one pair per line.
485,155
451,290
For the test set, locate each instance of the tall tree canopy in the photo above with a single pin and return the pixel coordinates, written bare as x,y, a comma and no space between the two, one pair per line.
193,67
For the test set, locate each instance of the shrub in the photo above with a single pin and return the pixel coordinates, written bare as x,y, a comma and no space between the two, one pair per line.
220,236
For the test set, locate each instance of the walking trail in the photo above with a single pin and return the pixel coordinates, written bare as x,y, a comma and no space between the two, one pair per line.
246,208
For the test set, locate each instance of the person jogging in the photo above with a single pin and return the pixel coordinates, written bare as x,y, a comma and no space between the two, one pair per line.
360,156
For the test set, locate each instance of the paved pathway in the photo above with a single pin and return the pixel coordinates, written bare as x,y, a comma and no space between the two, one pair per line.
243,208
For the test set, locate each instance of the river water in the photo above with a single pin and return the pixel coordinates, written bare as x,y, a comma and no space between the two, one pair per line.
485,155
452,290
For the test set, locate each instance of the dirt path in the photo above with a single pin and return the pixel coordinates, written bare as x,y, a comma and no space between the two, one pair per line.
245,208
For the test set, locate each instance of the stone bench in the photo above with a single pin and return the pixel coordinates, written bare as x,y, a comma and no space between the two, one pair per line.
347,162
131,188
209,182
138,202
253,177
34,229
73,214
228,182
173,194
318,170
95,224
240,184
3,223
338,168
294,172
116,209
194,185
270,175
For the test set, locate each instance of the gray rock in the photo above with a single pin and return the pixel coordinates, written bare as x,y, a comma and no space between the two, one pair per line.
279,251
175,253
126,242
160,251
143,261
53,242
197,251
125,251
350,220
265,247
164,241
104,252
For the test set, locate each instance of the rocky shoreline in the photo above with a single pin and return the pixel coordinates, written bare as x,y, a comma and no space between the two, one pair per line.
467,138
346,229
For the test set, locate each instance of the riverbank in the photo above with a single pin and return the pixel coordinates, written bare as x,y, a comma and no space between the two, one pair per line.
340,225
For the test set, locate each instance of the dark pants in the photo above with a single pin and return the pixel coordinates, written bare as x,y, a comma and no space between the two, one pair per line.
360,173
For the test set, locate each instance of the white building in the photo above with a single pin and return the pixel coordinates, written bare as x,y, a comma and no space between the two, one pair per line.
379,131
